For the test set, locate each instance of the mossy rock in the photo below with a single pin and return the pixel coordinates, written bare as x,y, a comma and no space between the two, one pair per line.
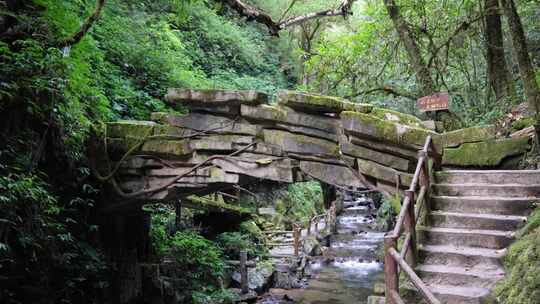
263,113
468,135
397,117
523,123
367,125
522,264
485,154
319,103
130,128
167,147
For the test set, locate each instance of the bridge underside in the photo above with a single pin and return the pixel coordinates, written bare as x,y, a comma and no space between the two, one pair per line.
232,138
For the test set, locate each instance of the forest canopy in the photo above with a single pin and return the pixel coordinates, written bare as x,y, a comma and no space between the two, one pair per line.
69,66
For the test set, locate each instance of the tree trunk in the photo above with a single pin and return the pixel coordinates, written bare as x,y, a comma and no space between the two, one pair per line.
423,75
499,76
526,70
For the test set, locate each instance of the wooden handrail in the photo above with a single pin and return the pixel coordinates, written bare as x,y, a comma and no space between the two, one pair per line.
406,223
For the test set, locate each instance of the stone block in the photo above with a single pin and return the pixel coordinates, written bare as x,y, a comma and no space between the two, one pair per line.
265,168
331,174
383,173
166,147
485,154
468,135
376,156
368,126
130,128
319,103
301,144
210,98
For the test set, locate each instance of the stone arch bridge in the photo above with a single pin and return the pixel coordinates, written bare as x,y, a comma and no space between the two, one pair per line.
232,138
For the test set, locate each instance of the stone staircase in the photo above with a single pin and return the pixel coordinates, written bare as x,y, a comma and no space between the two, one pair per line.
472,221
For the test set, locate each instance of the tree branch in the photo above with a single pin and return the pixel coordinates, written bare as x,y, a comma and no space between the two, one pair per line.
78,36
253,13
388,90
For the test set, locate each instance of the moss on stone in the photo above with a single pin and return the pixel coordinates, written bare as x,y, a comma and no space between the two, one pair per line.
523,123
159,117
211,204
486,153
130,128
167,147
384,130
264,112
397,117
468,135
522,264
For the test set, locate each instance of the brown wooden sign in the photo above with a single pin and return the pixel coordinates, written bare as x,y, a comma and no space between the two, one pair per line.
436,102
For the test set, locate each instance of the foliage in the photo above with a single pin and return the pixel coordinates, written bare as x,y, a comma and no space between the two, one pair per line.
301,202
522,263
199,259
233,242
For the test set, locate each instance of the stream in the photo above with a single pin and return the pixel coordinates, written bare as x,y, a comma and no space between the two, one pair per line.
349,276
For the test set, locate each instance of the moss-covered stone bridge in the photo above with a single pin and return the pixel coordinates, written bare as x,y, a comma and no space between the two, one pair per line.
233,138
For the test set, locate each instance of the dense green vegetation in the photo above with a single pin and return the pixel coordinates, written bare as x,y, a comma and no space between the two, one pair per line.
52,98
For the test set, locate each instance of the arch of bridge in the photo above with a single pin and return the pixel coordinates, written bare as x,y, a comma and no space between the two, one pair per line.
299,137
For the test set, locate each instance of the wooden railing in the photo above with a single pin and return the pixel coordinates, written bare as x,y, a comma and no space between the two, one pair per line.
405,260
329,222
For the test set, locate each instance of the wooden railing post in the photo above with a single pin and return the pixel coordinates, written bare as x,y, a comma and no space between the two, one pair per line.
296,236
390,269
243,272
409,225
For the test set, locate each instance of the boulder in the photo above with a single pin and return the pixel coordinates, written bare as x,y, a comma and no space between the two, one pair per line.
259,277
208,122
210,98
319,103
311,246
486,153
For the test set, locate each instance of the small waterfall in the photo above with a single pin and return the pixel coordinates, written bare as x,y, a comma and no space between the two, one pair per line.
350,267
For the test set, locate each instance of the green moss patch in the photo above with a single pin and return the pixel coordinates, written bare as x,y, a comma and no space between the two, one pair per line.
522,264
468,135
486,153
167,147
130,128
221,206
398,117
367,125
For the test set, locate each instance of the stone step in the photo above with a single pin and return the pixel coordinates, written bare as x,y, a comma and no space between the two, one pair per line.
477,189
493,239
449,294
485,204
475,220
527,177
459,275
460,255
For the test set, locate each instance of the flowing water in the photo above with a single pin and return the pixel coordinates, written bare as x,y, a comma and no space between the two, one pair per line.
349,276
